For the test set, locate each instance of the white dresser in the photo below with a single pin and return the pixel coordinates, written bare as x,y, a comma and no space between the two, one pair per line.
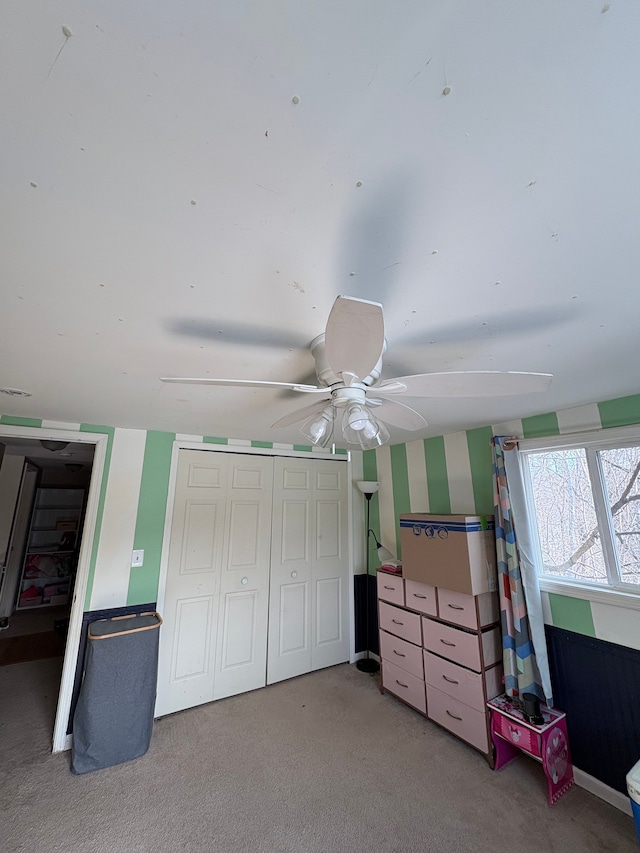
441,653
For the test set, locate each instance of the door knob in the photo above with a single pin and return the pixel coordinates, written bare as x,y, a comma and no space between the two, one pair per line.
244,580
294,574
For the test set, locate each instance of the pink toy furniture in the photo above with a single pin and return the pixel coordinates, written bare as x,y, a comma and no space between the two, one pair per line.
548,742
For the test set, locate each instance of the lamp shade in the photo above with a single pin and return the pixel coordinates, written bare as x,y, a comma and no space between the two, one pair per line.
368,487
384,554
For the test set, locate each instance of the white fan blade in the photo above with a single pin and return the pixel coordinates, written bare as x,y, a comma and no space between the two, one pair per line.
300,414
399,415
469,383
354,337
242,383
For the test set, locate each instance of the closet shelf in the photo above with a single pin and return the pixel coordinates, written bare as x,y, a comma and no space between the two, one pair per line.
49,563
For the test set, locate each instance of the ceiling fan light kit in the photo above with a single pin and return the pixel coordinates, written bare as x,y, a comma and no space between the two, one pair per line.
318,428
360,428
348,361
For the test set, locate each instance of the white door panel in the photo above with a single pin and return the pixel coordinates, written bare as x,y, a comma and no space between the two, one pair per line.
291,573
295,478
309,566
191,648
294,622
238,647
328,531
213,641
328,480
241,660
202,476
198,552
330,574
295,532
245,539
188,636
328,611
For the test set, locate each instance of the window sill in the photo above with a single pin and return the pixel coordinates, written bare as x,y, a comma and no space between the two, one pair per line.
613,597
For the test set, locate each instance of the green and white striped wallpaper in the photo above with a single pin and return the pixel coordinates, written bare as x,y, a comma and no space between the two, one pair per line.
453,474
132,506
445,474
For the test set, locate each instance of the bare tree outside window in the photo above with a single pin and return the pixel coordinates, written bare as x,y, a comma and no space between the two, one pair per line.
621,471
587,508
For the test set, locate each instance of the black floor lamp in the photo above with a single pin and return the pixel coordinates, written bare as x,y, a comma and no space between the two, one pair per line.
368,489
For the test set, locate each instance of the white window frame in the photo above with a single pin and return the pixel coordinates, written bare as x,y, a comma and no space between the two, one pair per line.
615,592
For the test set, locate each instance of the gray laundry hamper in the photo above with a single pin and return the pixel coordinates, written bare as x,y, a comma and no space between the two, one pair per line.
114,715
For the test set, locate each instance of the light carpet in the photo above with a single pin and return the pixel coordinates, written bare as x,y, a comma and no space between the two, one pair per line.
317,764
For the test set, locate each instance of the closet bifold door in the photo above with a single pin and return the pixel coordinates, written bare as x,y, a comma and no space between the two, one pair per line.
214,639
188,635
241,654
308,605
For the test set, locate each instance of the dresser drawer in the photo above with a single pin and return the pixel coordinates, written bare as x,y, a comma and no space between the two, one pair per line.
456,681
404,685
469,611
523,737
420,597
461,646
403,654
458,718
401,623
390,588
452,643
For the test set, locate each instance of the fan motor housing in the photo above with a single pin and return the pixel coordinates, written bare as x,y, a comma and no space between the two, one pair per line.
325,374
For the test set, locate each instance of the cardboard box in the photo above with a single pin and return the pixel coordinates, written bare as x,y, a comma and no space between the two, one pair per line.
456,552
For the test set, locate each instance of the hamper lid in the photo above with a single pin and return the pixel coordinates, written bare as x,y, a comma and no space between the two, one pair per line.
117,625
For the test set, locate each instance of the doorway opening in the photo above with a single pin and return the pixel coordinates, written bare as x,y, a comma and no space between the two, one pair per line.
48,498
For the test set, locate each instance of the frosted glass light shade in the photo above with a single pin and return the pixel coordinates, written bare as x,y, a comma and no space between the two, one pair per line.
368,487
318,428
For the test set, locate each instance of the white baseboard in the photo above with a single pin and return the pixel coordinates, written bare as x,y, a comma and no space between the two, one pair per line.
604,792
68,741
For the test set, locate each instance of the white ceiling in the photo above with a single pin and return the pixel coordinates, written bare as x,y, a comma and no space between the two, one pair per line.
188,218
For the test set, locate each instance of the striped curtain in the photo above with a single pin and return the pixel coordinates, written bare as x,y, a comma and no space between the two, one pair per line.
521,671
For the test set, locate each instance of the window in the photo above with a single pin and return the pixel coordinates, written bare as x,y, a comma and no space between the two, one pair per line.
583,497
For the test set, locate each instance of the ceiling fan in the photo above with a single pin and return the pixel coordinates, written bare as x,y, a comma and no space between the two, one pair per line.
348,358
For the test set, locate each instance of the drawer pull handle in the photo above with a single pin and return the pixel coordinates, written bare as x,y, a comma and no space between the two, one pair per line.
455,606
415,595
446,643
400,654
450,680
453,715
389,587
396,622
401,684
